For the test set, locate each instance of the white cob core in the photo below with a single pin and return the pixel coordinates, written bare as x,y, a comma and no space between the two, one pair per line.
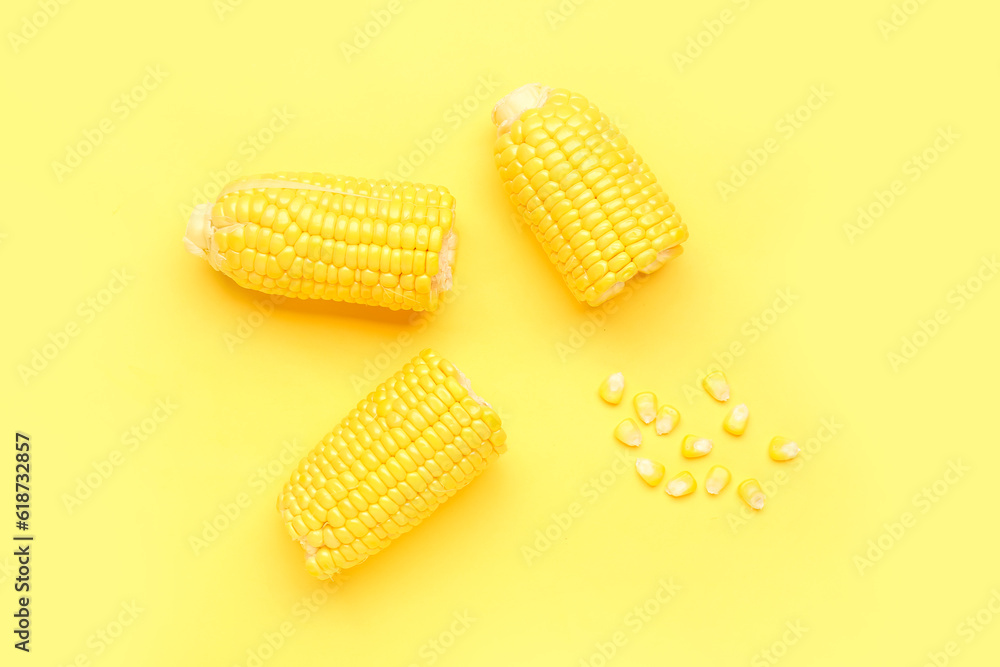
515,103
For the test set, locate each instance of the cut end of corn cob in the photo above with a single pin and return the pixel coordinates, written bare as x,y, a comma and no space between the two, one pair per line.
645,406
314,236
612,388
717,479
681,485
627,433
752,494
408,446
735,422
783,449
583,190
717,386
649,471
694,447
667,419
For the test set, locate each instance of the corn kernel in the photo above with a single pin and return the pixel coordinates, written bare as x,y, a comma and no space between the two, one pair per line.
752,494
651,472
667,419
627,433
612,388
717,479
681,484
717,386
783,449
693,447
645,406
736,421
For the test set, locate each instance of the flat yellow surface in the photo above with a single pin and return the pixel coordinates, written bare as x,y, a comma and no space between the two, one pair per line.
166,406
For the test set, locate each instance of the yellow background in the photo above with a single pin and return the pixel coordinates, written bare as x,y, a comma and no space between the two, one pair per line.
168,335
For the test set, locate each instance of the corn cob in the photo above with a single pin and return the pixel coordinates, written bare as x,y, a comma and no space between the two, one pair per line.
407,447
314,236
586,194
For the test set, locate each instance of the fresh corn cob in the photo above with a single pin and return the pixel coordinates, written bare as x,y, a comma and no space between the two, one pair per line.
584,191
407,447
313,236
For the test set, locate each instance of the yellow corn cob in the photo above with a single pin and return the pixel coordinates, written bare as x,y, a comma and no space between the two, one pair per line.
407,447
313,236
584,191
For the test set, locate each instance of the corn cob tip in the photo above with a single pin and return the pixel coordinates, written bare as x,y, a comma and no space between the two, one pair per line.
198,235
516,102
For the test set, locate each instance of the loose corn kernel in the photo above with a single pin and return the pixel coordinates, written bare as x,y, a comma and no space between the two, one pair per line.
681,485
717,479
667,419
752,494
627,433
692,447
651,472
645,406
736,421
612,388
717,386
783,449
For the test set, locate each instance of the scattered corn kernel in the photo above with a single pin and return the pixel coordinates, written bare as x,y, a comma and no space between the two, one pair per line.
717,479
667,419
752,494
645,406
612,388
736,421
717,386
783,449
651,472
693,446
627,433
681,485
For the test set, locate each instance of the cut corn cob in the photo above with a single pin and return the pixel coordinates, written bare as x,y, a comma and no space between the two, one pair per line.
667,418
782,449
650,472
407,447
693,447
717,479
681,484
752,494
627,432
314,236
717,386
736,421
612,388
586,194
645,406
